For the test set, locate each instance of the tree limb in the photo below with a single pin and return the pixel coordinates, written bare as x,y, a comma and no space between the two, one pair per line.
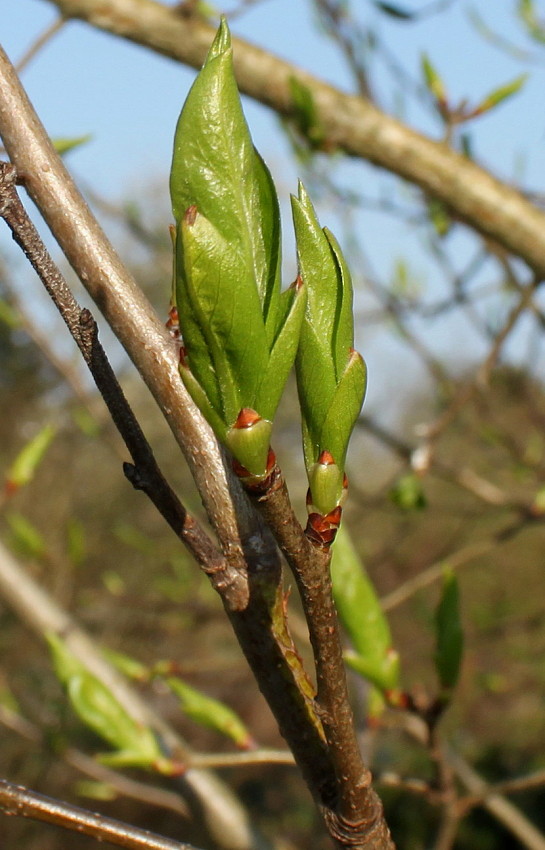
351,124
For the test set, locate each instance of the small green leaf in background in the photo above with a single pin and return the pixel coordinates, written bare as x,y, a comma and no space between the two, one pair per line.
25,537
433,81
498,96
439,217
449,633
239,331
64,145
362,617
331,375
23,468
408,493
130,667
97,707
528,15
394,11
305,115
8,315
211,713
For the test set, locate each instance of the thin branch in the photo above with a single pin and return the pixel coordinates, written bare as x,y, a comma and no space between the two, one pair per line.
222,813
144,474
126,310
504,811
20,801
351,124
39,43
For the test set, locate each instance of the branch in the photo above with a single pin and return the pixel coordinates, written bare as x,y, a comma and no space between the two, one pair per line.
126,310
220,810
16,800
349,123
144,474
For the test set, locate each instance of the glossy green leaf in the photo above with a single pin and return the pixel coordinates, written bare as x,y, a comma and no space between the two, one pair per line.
23,468
97,707
449,633
210,712
362,617
344,409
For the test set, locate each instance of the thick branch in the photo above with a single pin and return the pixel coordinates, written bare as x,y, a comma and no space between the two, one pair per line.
349,123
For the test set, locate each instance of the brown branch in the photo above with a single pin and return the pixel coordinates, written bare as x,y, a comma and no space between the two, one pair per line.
350,123
144,474
20,801
357,810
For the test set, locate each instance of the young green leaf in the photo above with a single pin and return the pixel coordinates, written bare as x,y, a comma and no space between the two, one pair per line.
331,376
498,96
240,333
97,707
408,493
23,468
211,713
449,633
26,537
433,81
362,617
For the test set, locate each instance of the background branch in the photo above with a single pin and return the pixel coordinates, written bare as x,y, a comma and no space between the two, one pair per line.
351,124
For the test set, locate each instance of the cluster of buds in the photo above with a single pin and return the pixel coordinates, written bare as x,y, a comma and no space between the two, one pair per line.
241,333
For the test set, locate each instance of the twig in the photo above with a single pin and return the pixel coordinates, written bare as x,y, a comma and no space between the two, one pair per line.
20,801
508,786
504,811
40,42
144,474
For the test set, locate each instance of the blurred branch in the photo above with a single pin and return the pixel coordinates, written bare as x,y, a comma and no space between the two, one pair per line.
141,791
221,811
16,800
351,124
504,811
39,43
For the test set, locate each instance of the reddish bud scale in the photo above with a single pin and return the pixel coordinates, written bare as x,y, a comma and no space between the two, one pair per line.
246,418
326,458
191,215
322,530
257,483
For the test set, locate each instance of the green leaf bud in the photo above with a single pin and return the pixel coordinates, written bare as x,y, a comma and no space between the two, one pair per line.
449,633
331,375
240,333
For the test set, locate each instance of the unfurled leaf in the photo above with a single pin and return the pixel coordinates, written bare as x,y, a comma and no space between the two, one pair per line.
25,464
211,713
362,617
63,146
498,96
99,709
449,634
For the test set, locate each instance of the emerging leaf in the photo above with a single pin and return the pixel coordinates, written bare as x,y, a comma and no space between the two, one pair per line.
362,616
449,634
240,333
211,713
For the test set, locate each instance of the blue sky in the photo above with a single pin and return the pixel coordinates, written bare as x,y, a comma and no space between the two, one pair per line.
85,81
